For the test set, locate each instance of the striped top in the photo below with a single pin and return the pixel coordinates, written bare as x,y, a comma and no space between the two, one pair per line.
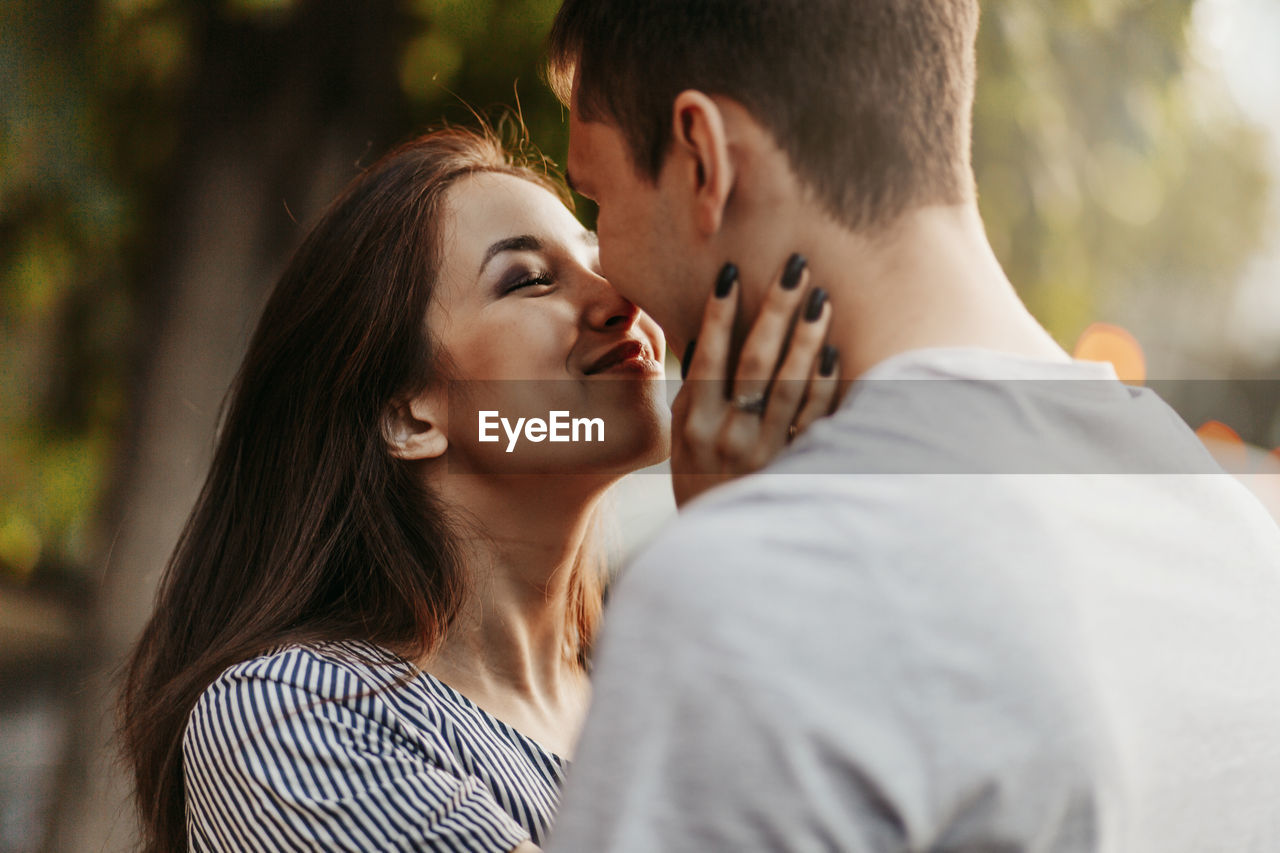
344,746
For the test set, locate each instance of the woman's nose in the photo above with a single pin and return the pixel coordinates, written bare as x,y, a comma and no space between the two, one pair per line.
606,308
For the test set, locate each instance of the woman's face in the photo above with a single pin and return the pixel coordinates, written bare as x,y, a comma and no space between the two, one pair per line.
534,332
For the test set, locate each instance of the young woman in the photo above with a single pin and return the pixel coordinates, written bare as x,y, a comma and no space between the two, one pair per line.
374,631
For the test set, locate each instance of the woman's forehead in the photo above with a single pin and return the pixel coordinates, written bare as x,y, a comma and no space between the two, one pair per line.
493,204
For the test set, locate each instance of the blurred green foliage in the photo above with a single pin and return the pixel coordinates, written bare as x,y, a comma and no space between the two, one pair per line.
1105,162
1101,167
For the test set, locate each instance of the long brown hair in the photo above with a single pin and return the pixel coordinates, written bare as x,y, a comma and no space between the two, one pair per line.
307,528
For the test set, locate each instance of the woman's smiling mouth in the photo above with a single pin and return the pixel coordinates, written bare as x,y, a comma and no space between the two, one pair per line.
629,356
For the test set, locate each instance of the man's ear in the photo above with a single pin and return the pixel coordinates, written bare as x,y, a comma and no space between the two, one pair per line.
701,144
414,428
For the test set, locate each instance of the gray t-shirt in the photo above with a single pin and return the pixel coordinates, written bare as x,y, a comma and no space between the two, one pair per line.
1014,606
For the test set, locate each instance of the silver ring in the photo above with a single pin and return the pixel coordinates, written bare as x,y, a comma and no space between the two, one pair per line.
750,403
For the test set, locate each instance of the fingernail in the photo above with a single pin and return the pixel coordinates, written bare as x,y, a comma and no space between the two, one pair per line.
724,281
687,359
792,271
813,308
827,363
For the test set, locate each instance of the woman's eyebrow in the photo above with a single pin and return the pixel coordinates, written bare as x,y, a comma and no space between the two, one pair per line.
523,243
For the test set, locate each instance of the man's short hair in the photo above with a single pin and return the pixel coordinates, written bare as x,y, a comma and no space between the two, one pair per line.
870,99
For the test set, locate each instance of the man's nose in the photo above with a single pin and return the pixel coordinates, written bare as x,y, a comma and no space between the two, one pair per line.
604,307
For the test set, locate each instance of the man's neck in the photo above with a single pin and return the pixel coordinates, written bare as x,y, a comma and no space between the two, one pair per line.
931,280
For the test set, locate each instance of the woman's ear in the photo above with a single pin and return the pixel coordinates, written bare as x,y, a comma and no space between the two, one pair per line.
702,145
414,428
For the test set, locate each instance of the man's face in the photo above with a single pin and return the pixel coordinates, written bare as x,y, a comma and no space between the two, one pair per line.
642,250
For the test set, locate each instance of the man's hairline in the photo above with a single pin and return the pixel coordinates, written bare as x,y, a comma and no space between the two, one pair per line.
602,115
566,63
603,118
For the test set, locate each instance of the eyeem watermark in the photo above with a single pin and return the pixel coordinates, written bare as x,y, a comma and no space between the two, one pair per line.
557,427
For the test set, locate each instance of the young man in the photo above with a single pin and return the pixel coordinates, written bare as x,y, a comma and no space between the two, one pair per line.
1013,608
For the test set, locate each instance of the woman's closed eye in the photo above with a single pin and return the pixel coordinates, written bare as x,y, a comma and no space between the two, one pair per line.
535,280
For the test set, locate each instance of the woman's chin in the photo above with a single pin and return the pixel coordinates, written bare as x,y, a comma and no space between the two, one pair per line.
625,455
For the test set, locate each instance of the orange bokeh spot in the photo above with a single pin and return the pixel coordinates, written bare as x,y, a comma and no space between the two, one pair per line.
1218,431
1226,446
1111,343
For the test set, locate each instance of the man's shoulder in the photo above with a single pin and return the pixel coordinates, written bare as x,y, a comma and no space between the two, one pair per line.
849,516
838,548
749,520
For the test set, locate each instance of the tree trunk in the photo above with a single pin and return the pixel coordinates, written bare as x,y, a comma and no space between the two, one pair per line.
280,111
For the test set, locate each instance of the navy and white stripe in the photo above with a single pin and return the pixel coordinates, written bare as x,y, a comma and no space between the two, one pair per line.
342,746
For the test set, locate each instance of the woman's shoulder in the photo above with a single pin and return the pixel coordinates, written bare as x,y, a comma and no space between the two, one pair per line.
325,731
329,669
304,679
326,667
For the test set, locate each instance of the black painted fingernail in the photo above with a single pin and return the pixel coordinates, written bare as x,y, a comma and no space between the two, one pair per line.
687,359
724,281
813,308
792,271
827,363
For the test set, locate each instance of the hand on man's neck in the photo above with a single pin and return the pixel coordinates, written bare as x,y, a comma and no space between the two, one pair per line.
929,280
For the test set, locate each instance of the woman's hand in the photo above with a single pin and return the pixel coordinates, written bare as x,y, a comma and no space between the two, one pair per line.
723,427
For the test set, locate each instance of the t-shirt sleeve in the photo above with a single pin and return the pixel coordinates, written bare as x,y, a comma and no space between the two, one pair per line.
692,742
303,756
